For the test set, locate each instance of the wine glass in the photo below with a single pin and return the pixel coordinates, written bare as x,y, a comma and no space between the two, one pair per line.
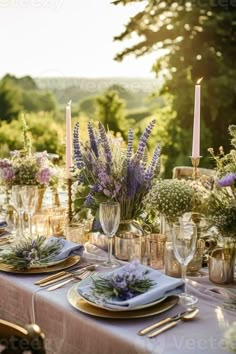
29,195
109,216
17,203
184,246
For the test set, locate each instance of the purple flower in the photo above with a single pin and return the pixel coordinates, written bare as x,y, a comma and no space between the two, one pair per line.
92,138
143,140
227,180
41,157
105,145
155,163
7,174
89,200
44,175
5,163
77,149
135,178
130,144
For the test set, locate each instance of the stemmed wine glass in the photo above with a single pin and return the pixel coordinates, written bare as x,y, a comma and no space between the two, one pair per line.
29,195
184,246
109,216
17,202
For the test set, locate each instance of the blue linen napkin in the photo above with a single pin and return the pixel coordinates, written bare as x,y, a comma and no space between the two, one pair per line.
67,249
163,286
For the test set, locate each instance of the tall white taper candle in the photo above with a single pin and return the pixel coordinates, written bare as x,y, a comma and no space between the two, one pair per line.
196,123
68,141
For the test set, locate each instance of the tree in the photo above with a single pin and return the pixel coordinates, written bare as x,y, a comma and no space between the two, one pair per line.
25,82
110,111
193,39
87,105
10,101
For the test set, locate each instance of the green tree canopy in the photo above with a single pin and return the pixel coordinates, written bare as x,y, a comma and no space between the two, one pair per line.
10,100
25,82
110,111
192,39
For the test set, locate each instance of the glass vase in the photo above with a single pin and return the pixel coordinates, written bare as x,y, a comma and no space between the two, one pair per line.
39,204
130,241
222,261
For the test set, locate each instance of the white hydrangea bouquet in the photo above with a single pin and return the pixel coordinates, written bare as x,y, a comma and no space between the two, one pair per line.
171,198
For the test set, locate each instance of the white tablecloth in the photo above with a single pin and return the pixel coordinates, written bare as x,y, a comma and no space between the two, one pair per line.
70,332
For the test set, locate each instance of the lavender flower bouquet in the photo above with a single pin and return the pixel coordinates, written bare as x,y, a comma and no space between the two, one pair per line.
29,169
106,170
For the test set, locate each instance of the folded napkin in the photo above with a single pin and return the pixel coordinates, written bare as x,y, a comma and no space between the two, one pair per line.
67,249
163,285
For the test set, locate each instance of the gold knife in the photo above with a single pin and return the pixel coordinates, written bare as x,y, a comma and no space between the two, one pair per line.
163,329
57,286
50,277
57,275
66,275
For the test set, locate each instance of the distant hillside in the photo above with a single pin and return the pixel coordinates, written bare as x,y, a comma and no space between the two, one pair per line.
76,89
94,85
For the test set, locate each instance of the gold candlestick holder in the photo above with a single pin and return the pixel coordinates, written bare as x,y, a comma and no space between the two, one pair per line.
195,163
70,213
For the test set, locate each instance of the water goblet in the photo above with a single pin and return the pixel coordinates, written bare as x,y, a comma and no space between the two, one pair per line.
17,203
29,195
184,245
109,216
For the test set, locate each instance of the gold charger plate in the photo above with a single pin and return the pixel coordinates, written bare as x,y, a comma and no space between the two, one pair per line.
77,302
67,263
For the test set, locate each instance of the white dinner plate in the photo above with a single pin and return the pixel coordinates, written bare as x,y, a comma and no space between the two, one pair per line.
79,304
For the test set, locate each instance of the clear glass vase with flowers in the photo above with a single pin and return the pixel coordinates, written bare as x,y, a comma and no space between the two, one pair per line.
107,169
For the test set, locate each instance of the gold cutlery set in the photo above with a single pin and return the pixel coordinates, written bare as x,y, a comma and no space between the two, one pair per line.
168,323
59,278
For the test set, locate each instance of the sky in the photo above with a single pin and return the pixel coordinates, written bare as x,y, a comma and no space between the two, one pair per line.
66,38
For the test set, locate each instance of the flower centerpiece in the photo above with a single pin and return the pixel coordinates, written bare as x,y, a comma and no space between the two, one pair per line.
106,169
171,198
221,208
29,169
222,200
30,252
25,168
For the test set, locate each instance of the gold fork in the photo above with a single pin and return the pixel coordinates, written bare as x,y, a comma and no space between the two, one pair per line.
74,277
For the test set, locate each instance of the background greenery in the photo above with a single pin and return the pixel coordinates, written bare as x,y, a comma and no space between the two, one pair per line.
192,39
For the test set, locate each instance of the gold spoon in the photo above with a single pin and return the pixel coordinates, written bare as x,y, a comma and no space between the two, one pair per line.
188,317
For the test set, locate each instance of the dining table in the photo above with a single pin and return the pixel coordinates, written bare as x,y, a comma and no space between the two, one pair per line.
69,331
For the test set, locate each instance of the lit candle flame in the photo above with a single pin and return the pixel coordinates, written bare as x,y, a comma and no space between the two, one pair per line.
69,103
199,81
